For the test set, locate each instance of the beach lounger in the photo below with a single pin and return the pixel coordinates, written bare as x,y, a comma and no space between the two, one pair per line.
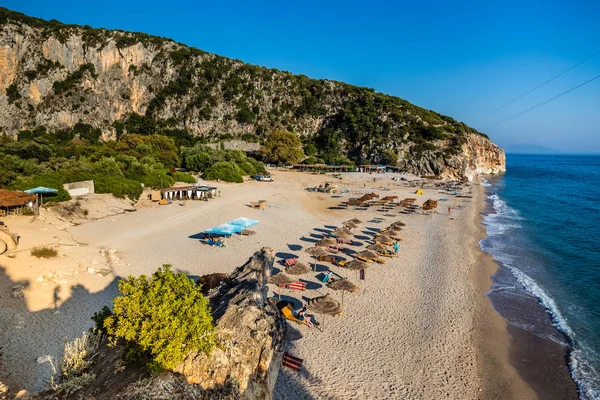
290,261
326,278
292,362
341,263
295,286
331,249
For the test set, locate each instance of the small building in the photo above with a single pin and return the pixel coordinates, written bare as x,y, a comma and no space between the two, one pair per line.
79,188
13,202
195,192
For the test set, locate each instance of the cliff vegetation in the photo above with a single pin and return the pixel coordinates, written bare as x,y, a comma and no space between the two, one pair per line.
55,76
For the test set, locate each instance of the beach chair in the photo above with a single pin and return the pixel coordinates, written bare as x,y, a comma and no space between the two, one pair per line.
326,277
341,263
295,286
290,261
292,362
332,249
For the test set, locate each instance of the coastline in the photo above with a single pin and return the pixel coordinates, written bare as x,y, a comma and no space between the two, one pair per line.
513,362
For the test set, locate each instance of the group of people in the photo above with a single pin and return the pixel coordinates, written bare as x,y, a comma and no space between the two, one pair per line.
302,315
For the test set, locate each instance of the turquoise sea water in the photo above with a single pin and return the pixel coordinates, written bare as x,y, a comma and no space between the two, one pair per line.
545,228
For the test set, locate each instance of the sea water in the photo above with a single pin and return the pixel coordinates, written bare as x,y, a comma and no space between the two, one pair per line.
544,227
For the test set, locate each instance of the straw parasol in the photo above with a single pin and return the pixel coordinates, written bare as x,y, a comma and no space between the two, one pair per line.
350,225
345,286
368,254
338,231
356,221
324,305
281,278
356,265
326,242
377,247
385,239
298,269
398,223
316,252
343,235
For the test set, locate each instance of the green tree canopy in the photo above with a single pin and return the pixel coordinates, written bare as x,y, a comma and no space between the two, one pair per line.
161,319
282,147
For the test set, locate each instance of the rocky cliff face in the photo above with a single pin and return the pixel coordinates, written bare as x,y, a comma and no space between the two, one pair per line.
53,76
245,364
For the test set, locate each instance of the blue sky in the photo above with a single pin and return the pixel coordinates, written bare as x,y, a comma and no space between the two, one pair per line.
460,58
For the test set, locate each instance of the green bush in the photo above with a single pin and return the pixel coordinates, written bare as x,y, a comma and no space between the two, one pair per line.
179,176
225,170
12,92
161,319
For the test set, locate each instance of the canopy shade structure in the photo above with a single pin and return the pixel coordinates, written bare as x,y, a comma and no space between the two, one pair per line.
298,269
224,229
41,190
243,222
326,242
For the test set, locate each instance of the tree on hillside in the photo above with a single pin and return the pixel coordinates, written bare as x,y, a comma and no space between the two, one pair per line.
281,147
161,319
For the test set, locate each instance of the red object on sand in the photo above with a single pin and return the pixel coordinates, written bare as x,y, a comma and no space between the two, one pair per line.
292,362
295,286
291,261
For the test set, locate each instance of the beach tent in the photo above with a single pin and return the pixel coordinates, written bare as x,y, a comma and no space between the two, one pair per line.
419,191
243,222
224,229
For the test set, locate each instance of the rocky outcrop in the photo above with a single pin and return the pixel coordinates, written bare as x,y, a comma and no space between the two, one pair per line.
55,76
251,336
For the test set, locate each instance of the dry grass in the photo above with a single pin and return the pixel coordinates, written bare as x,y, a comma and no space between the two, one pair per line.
44,252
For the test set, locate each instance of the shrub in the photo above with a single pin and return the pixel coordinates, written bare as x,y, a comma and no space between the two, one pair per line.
27,211
44,252
179,176
12,92
225,170
161,319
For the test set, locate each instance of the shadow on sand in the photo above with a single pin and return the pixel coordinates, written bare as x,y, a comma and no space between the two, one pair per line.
26,335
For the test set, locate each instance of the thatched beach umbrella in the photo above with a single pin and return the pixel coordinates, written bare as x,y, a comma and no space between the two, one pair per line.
324,305
398,223
356,221
298,269
350,225
377,247
343,235
316,252
385,239
281,278
368,254
345,286
356,265
326,242
339,231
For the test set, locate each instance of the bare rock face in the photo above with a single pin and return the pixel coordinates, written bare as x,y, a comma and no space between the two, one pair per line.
251,332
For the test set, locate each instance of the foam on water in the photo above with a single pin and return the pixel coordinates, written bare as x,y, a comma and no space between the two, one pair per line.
500,225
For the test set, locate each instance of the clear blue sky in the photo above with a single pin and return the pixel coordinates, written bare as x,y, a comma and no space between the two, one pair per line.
460,58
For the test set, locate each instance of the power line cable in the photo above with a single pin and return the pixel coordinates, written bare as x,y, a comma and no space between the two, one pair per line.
540,85
540,104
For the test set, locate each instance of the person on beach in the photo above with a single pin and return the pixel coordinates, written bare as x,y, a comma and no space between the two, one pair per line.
449,210
303,316
396,247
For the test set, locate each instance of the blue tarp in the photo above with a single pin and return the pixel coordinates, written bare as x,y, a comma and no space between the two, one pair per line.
243,222
224,229
40,189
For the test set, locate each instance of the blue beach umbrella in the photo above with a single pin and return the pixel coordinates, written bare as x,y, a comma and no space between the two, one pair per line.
224,229
41,190
244,222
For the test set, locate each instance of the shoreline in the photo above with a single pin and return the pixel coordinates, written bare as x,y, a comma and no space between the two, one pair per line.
523,357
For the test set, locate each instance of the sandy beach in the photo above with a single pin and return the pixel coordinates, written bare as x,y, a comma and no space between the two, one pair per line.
420,326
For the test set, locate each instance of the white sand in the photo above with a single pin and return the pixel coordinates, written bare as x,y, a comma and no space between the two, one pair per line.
408,333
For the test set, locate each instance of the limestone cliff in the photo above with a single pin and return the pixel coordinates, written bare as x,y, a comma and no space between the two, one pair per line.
244,365
53,76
